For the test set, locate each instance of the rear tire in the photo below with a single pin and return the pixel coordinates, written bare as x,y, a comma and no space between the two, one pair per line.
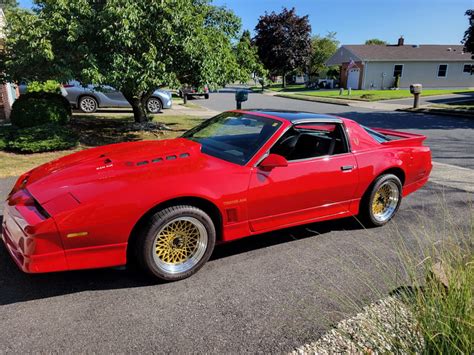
206,96
176,242
381,202
88,104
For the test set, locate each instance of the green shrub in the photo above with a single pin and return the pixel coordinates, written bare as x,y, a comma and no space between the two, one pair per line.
397,82
50,86
45,138
5,134
37,108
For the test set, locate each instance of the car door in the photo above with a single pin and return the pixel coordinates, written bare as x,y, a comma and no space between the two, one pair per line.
113,97
306,190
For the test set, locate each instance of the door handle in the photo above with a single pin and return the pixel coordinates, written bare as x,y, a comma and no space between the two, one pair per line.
347,167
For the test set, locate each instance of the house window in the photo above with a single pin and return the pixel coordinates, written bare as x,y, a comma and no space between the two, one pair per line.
442,70
397,70
467,68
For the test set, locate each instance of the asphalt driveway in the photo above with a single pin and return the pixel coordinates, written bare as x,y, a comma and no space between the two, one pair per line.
268,293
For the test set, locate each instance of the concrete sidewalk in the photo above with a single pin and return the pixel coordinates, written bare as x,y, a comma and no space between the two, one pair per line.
453,176
193,109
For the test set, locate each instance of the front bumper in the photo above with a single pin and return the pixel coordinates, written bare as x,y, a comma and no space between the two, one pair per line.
167,103
32,241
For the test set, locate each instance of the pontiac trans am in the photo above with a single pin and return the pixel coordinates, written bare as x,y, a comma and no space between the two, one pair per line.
165,204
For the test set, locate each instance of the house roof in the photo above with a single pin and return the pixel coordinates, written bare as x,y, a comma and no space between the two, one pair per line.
407,52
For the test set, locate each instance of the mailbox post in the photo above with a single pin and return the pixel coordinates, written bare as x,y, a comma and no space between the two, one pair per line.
416,89
240,96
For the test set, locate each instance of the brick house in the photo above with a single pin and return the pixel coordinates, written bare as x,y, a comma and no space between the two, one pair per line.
377,66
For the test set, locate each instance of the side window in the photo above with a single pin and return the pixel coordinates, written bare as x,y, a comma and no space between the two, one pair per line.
442,70
311,140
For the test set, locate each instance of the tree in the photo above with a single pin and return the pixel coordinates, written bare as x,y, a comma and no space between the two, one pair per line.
8,4
322,49
468,39
134,46
375,41
283,41
248,60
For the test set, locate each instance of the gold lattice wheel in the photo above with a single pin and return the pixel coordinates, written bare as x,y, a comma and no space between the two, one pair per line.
385,201
180,244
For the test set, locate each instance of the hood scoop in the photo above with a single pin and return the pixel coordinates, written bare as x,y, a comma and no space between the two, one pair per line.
161,159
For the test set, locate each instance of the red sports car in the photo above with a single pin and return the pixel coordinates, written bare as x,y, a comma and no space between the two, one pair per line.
167,203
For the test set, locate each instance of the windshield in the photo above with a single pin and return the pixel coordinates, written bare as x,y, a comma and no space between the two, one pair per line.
232,136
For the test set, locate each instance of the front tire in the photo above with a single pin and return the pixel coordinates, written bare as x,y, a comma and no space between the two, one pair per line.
154,105
176,242
88,104
382,201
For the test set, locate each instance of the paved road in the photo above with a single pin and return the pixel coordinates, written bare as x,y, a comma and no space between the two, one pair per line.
269,293
450,138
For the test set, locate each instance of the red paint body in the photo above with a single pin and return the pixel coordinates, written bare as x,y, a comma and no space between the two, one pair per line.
106,191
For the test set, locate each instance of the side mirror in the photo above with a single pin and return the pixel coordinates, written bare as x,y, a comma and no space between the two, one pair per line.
273,161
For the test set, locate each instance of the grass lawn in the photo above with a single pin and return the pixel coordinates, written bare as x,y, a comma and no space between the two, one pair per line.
95,130
376,95
464,106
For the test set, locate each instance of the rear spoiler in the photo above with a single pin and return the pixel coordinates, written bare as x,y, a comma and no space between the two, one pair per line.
404,137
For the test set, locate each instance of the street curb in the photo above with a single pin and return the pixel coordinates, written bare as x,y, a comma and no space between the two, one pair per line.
437,112
302,98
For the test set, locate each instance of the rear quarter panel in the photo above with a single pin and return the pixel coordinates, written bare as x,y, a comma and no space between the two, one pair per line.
374,158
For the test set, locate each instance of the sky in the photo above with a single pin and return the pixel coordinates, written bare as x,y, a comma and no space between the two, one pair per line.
419,21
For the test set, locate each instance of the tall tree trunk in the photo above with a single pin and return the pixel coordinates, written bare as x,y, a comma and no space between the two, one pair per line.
139,111
138,103
283,82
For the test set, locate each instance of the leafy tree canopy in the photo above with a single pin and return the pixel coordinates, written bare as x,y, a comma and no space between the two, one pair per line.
283,41
8,4
248,60
468,39
135,46
375,41
322,49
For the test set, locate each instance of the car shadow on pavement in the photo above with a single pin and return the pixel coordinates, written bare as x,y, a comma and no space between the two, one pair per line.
16,286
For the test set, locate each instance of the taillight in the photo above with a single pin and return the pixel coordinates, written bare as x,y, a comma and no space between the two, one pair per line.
24,198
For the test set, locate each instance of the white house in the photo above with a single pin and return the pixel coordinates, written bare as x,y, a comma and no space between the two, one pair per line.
377,66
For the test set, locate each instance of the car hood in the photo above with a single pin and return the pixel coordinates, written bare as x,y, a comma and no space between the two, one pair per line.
81,173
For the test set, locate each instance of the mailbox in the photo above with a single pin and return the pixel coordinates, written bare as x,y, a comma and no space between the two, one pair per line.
241,95
416,88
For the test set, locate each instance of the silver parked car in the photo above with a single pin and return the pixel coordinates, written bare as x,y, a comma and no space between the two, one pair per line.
89,98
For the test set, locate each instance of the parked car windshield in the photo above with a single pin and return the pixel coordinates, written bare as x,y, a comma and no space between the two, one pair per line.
234,137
